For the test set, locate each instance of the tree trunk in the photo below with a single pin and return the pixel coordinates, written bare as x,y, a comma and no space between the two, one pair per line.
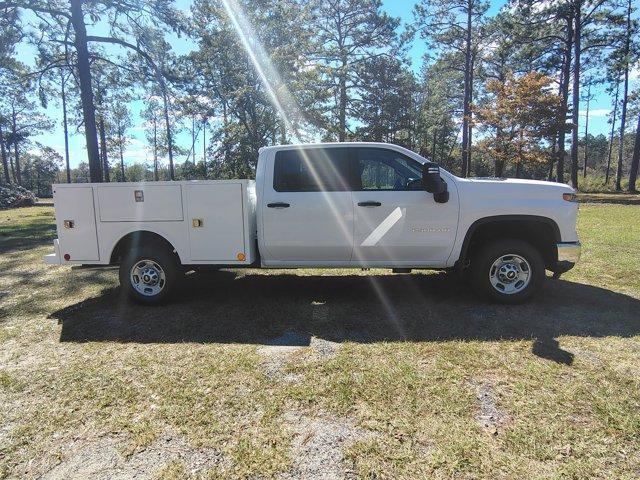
552,160
633,173
16,154
193,139
103,150
124,179
586,134
575,117
470,137
204,147
443,140
5,162
12,168
225,120
167,124
86,92
467,94
433,147
342,108
16,160
566,72
625,98
155,149
498,166
519,164
613,129
65,126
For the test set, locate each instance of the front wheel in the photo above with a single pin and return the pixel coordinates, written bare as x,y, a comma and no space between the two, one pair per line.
149,274
508,271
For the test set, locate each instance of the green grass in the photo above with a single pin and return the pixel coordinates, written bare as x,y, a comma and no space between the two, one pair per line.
562,373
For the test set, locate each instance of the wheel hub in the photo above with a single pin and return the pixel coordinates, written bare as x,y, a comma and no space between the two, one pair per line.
150,276
147,277
510,274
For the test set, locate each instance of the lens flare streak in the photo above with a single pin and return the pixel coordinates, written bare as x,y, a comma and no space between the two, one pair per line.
287,108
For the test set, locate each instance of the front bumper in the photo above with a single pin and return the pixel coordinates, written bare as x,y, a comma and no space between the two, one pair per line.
568,256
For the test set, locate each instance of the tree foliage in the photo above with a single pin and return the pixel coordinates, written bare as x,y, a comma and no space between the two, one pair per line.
495,93
520,116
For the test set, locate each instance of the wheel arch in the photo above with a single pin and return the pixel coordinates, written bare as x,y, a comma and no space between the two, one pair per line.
541,232
140,237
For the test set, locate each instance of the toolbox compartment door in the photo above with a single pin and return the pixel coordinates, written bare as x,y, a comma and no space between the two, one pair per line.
76,223
140,203
216,222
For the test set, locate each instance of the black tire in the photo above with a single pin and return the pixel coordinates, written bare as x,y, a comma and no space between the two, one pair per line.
483,261
158,256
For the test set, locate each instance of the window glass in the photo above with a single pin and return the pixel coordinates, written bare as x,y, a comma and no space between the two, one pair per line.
311,170
382,169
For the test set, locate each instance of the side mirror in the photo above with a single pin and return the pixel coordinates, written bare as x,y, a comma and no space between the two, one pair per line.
432,182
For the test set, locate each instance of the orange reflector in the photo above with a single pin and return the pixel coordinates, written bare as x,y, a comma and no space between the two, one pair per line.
570,197
241,256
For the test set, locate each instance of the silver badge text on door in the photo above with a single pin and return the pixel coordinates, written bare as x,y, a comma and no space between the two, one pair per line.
430,229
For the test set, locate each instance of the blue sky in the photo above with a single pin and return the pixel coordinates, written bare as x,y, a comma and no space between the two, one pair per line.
137,151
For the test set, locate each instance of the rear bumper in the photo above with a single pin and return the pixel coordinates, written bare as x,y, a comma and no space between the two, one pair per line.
54,258
568,256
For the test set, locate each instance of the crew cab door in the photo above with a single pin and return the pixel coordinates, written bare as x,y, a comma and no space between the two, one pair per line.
307,210
396,222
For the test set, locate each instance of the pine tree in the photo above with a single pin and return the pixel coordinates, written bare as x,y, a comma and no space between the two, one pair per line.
455,26
348,33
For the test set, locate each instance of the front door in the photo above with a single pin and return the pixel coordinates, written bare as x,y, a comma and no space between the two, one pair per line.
307,209
396,222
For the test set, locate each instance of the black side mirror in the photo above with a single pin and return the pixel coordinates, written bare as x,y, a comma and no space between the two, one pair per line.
432,182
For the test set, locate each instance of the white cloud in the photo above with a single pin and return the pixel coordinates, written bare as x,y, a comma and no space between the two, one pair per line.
596,112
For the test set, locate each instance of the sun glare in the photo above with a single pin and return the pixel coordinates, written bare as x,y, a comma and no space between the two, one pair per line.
288,109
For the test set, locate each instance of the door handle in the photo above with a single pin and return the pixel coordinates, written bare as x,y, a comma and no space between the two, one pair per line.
369,204
278,205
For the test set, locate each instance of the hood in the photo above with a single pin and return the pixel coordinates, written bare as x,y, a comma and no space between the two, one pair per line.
519,182
512,188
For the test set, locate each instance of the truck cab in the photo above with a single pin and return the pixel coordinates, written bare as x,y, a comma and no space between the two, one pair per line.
351,205
332,205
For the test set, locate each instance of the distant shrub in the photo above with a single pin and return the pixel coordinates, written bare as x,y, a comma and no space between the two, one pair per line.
13,196
595,184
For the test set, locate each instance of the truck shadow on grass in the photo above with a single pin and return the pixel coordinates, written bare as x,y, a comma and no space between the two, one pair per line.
263,309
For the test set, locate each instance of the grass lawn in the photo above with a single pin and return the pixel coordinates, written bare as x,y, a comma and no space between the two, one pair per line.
320,374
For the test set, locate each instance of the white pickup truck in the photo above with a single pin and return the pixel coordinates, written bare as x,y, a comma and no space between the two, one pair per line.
342,205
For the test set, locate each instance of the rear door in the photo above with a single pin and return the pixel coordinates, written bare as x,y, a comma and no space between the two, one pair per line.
396,222
307,210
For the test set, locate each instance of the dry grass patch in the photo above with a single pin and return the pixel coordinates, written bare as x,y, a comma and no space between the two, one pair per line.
288,374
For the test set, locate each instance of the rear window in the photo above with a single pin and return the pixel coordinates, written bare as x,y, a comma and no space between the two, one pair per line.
311,170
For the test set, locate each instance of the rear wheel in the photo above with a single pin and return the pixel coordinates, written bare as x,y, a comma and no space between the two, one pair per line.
149,274
508,271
